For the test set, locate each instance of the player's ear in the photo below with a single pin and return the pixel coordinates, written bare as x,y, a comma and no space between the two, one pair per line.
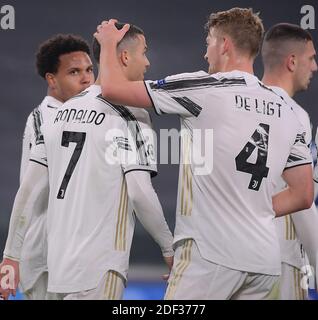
226,44
291,62
50,80
124,57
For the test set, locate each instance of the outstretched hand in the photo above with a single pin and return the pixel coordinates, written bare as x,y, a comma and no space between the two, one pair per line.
108,34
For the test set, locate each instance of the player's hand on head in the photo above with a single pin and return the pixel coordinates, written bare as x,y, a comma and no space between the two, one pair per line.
108,34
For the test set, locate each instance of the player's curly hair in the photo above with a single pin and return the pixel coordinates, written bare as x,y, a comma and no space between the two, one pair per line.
49,52
243,26
132,33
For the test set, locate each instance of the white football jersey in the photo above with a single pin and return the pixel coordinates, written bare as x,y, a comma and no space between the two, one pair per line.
291,250
227,206
34,252
315,155
89,145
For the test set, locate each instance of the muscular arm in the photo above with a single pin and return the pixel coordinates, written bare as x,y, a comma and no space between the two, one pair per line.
299,193
148,209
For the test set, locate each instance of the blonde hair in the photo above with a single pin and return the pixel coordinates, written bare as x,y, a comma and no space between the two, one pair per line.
243,26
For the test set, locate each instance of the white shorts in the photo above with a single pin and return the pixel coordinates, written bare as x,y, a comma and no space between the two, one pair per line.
291,282
111,287
194,278
39,289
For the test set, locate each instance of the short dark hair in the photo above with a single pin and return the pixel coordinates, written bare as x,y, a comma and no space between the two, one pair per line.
132,33
49,52
243,26
287,31
279,40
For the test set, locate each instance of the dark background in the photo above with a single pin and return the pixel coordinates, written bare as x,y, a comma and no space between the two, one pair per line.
176,41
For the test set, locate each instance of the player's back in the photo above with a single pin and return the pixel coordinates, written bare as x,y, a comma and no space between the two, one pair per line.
90,223
228,211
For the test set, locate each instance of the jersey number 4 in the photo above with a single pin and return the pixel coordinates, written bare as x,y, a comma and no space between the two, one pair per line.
67,138
258,170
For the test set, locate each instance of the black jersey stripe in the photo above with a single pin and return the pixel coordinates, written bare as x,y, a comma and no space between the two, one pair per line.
190,84
134,127
124,146
262,85
188,104
37,122
152,172
38,162
298,165
295,158
51,107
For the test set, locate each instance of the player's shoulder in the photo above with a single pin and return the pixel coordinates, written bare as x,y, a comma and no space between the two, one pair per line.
299,110
48,106
181,77
140,114
187,75
79,98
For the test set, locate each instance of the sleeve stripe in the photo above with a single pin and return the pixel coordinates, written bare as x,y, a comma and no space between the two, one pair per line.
188,104
158,111
152,172
295,158
190,84
298,165
45,165
37,122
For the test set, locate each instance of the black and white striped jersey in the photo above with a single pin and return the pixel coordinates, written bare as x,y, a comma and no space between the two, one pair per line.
32,133
34,253
238,136
290,227
89,145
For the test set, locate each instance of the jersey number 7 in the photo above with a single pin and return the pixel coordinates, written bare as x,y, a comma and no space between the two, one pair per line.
67,138
258,170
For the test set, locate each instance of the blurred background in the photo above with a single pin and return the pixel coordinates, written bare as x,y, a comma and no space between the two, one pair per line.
176,40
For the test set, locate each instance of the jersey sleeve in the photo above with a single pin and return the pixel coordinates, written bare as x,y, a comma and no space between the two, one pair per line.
178,94
307,129
38,152
26,146
300,152
131,142
315,154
